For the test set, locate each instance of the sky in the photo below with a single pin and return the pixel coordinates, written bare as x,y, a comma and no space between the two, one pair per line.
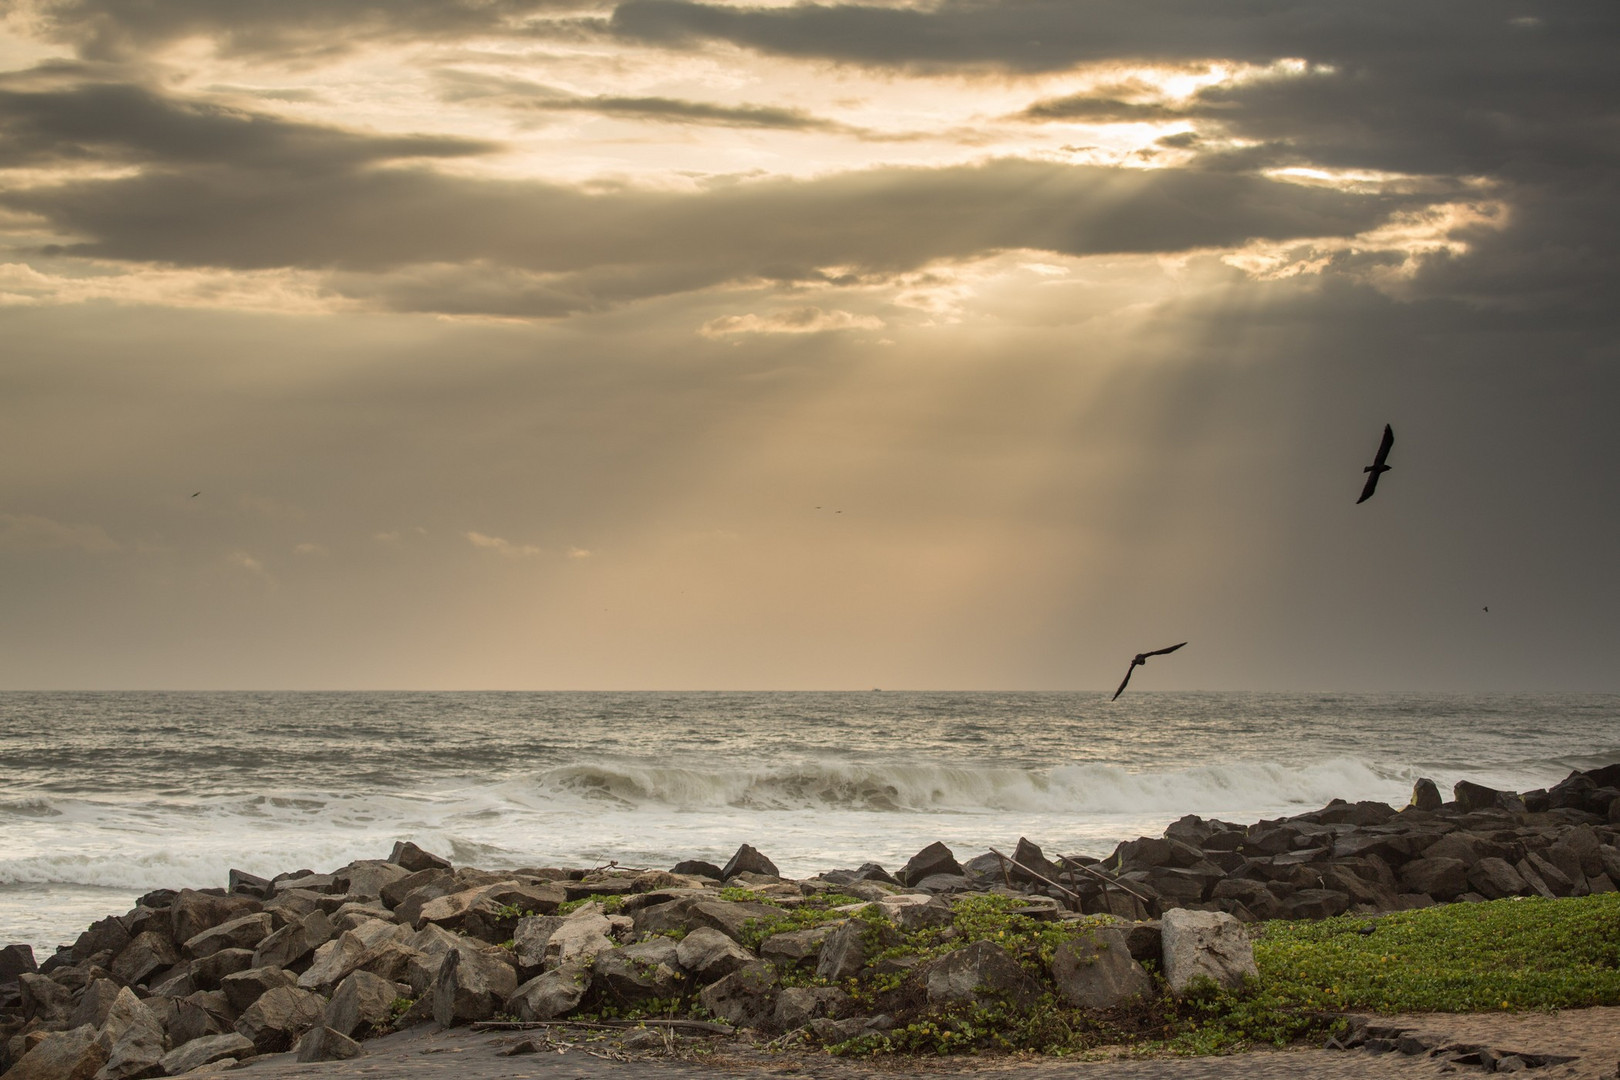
677,344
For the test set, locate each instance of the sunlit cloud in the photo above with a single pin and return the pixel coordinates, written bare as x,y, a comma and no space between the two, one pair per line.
800,320
32,532
502,546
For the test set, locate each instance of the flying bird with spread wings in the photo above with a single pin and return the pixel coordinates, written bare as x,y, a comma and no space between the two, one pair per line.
1136,661
1377,468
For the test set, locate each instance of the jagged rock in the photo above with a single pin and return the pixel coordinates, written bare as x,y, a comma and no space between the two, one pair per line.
942,883
448,910
241,933
727,917
95,1003
198,1016
324,1044
295,942
846,950
366,878
16,960
657,918
246,884
711,955
580,936
553,994
193,912
1315,904
361,1002
1471,797
243,988
980,973
748,860
43,998
145,955
796,946
1426,795
1207,944
530,937
1554,878
205,1051
494,916
414,859
1584,848
698,868
279,1016
133,1039
745,998
1256,896
633,975
1097,971
934,859
930,911
333,961
395,892
797,1006
1495,879
207,972
471,985
104,935
61,1055
1443,879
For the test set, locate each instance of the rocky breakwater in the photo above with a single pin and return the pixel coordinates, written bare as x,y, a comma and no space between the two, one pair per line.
314,963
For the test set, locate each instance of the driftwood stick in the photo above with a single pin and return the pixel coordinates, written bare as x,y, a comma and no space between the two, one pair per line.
1106,879
1038,877
529,1025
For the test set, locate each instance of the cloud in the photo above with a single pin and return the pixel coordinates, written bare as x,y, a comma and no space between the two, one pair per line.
31,532
310,550
800,320
504,547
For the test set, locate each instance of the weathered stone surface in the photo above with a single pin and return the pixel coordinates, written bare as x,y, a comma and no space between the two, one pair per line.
1557,882
628,978
207,972
748,860
1098,972
95,1003
61,1055
1315,904
361,1003
243,988
581,936
471,985
934,859
366,878
133,1039
746,997
394,892
698,868
295,942
553,994
657,918
530,937
145,955
846,950
1443,879
1426,795
796,946
200,1015
414,859
494,916
1205,944
104,935
1471,797
321,1043
711,955
240,881
244,932
729,918
205,1051
981,972
1495,879
279,1016
333,961
194,912
797,1006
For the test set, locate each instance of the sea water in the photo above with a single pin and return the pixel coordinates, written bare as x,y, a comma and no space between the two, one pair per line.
106,796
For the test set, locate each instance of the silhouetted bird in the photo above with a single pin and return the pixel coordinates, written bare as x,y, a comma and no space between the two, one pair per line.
194,494
1141,658
1377,468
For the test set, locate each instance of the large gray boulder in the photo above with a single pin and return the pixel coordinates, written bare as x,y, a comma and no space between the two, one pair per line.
147,954
555,993
414,859
362,1002
1472,797
1205,945
44,999
205,1051
1096,971
746,997
62,1055
730,918
630,977
244,932
133,1039
276,1020
711,955
530,936
579,937
193,912
797,1006
295,941
207,972
1495,879
200,1015
748,860
1441,878
104,935
95,1004
847,949
324,1044
931,861
366,879
243,988
980,973
796,946
471,985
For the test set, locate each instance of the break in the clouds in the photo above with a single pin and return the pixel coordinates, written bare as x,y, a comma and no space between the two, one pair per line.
968,343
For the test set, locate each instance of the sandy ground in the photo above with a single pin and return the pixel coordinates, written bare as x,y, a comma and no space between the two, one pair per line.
1592,1036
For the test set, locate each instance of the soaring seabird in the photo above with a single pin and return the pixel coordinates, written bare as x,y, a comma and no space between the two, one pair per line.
1141,658
1377,468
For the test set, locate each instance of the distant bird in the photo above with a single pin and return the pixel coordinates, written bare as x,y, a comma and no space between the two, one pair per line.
1377,468
1138,659
1487,610
194,494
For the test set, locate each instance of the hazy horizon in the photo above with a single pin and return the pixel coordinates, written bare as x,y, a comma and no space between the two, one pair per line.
676,344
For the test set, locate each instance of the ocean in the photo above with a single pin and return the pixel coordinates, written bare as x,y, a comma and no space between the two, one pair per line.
104,796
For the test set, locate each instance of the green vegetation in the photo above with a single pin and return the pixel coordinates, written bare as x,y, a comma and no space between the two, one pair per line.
814,911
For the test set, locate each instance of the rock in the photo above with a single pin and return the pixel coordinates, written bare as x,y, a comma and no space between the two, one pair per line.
333,961
745,998
797,1006
630,977
207,972
1472,797
95,1004
1554,878
144,956
727,917
580,937
847,949
204,1051
243,988
1205,944
16,960
395,892
104,935
133,1039
199,1015
748,861
279,1016
1426,795
1443,879
61,1055
1495,879
711,955
657,918
796,946
241,933
366,878
323,1044
295,942
414,859
698,868
530,937
934,859
942,883
553,994
1029,855
471,985
246,884
1315,904
193,912
1096,970
362,1002
979,973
